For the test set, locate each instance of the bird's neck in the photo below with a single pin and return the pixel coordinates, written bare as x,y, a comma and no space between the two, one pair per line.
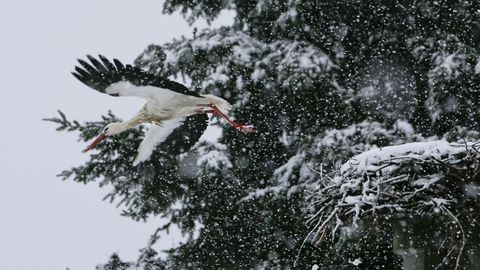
131,123
120,127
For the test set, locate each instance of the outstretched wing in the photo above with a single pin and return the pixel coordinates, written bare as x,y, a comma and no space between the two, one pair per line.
116,79
174,136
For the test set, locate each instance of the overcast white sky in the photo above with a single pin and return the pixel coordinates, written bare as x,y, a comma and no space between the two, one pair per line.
47,224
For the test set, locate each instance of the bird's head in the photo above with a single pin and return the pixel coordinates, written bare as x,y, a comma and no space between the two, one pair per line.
113,128
108,130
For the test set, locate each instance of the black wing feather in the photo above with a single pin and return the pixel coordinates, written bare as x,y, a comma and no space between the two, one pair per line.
110,67
100,75
118,64
97,65
88,67
81,72
80,78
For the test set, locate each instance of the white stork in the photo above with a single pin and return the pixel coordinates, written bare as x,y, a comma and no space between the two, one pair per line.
174,112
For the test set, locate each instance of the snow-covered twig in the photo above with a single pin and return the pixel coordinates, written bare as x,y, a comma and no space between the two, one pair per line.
409,178
457,263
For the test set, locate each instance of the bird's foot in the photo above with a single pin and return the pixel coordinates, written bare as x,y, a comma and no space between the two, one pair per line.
246,128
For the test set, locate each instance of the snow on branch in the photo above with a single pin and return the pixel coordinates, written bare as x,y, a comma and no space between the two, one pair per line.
211,46
213,156
293,63
225,54
327,151
422,177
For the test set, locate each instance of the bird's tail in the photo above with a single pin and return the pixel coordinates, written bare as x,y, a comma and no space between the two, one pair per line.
221,103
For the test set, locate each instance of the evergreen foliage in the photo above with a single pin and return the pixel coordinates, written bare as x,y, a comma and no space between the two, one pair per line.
322,81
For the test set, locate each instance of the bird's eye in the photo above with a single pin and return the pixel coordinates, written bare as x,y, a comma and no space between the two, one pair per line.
105,129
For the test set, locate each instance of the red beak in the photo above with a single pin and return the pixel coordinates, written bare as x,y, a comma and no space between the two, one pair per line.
94,143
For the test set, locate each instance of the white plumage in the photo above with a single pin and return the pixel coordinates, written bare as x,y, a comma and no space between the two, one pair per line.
170,108
156,134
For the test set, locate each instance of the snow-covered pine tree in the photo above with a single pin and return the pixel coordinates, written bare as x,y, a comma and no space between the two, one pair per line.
322,81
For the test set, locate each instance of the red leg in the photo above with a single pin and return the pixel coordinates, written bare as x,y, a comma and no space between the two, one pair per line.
241,127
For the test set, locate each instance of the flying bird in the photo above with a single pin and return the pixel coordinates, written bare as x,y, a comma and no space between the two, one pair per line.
177,115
